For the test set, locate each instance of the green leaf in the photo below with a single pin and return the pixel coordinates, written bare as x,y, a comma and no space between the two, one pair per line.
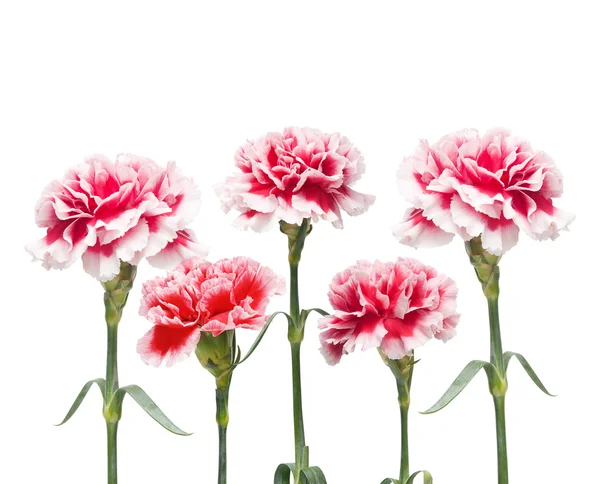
460,383
525,364
260,336
284,473
84,391
389,480
306,312
308,475
427,478
312,475
144,401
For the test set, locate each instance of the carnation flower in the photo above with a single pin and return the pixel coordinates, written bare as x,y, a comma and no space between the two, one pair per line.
395,306
302,173
199,296
491,187
107,212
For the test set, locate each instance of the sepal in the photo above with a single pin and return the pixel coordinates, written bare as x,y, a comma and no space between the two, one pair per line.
82,394
147,404
527,367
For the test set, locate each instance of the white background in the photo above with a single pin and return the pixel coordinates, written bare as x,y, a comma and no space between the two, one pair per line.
191,81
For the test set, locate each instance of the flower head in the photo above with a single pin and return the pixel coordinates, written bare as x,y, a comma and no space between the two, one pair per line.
300,173
395,306
199,296
106,212
471,186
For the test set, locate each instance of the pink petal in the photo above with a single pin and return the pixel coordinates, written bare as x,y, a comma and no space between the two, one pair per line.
168,343
417,231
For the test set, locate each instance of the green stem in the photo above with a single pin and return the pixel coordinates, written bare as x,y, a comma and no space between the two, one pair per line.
404,459
222,394
116,292
299,439
488,272
112,371
495,337
296,236
112,384
294,296
501,439
111,433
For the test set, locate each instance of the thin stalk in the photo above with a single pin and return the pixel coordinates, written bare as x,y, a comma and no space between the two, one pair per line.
112,371
495,336
404,458
299,439
111,433
222,394
116,292
499,390
501,439
112,384
296,236
488,272
403,373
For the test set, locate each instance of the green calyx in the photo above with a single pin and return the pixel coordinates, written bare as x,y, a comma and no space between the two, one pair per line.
402,370
116,292
296,235
486,267
218,354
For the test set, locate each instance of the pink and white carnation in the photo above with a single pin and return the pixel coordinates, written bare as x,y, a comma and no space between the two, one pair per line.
202,297
105,212
491,187
300,173
396,306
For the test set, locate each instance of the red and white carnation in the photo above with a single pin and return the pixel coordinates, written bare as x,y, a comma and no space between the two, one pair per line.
199,296
396,306
300,173
491,187
106,212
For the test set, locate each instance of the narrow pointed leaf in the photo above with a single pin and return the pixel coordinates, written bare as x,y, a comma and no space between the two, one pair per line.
308,475
527,367
84,391
144,401
389,480
284,474
427,478
312,475
261,335
317,310
460,383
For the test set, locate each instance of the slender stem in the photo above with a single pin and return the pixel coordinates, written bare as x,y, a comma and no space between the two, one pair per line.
298,417
112,384
112,372
403,372
501,439
294,296
222,394
296,237
111,433
116,292
495,336
404,459
499,390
